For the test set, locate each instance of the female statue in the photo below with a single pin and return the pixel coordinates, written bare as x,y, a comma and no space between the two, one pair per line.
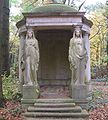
77,57
31,58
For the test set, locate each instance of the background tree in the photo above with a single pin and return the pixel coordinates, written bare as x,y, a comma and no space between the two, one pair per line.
1,16
98,40
5,38
4,42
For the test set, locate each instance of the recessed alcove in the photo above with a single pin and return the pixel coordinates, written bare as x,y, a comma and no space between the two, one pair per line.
54,65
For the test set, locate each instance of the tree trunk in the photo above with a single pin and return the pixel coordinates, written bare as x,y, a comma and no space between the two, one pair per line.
4,42
5,38
1,21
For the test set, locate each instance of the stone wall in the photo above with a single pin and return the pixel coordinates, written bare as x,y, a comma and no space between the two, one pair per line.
54,65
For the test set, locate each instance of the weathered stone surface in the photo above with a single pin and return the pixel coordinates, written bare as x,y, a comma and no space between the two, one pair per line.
30,92
52,105
54,66
84,114
79,92
51,8
54,101
46,111
54,118
53,92
30,59
28,101
62,110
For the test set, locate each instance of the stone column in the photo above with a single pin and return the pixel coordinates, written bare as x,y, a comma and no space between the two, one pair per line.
87,45
21,52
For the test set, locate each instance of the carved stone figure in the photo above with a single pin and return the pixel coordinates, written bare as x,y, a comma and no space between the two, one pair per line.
77,57
31,58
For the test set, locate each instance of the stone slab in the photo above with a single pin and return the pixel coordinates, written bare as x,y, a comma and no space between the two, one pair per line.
76,109
83,114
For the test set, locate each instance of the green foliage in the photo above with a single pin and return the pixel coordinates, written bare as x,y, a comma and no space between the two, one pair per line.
105,59
93,98
17,97
98,39
15,3
102,79
10,85
16,111
28,5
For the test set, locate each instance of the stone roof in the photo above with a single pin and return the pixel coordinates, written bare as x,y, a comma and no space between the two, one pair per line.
50,8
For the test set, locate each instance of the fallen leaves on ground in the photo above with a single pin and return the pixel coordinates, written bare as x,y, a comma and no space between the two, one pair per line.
99,113
11,111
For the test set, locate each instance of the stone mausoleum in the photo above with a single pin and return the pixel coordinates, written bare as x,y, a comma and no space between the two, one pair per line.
54,62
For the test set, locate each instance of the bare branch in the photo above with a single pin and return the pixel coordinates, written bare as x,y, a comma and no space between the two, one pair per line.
81,5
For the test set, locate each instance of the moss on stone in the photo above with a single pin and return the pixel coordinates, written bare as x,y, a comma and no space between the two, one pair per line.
50,8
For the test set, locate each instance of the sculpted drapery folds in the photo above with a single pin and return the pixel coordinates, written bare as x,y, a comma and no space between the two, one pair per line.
31,58
77,57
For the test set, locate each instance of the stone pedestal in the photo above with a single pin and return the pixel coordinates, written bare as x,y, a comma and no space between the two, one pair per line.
30,94
79,94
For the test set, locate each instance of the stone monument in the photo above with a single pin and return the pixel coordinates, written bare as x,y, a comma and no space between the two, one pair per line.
54,51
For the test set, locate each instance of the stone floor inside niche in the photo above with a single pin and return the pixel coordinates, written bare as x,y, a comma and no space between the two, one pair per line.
54,92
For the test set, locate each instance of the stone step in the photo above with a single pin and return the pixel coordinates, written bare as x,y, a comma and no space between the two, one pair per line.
60,110
54,118
83,114
54,105
54,101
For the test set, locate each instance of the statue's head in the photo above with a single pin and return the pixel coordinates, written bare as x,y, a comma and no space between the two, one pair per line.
78,31
29,33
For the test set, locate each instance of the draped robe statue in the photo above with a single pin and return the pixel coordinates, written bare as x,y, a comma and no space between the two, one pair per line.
31,59
77,57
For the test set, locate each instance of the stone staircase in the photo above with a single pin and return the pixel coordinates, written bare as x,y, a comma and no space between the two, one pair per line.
55,109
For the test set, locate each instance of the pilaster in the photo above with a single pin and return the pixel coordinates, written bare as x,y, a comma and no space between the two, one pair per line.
87,45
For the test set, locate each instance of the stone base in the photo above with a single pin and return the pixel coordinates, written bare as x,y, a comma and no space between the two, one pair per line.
83,103
30,94
27,102
79,94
